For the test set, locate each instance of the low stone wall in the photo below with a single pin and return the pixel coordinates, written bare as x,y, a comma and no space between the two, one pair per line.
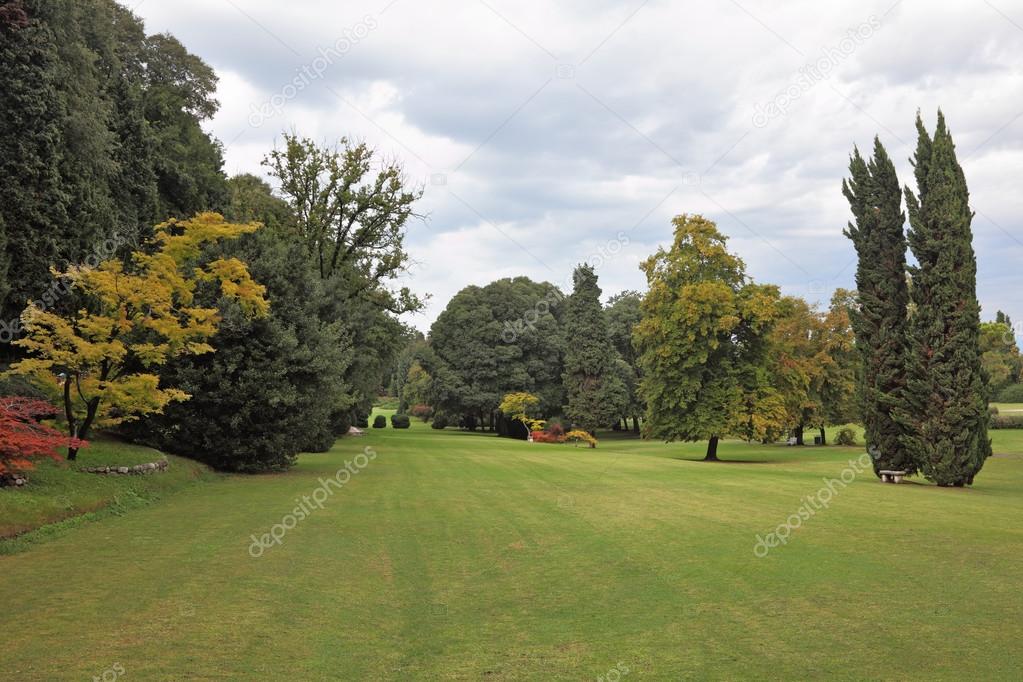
137,470
11,480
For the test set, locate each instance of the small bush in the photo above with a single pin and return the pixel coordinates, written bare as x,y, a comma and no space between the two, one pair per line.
400,421
362,421
380,422
992,410
846,436
556,429
439,422
581,437
1011,394
546,437
423,412
1007,422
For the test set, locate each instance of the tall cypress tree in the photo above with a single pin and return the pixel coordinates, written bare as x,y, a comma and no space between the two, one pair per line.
946,394
594,387
879,320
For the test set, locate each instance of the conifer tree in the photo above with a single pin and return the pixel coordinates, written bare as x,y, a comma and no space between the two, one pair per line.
880,318
946,401
594,387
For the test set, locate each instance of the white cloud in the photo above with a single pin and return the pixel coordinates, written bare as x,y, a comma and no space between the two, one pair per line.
562,160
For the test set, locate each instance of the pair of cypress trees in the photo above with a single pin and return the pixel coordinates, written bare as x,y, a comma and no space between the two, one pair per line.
924,392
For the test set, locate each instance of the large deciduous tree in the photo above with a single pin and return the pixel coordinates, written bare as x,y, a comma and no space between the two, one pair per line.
880,317
498,339
594,388
352,216
946,396
134,317
701,341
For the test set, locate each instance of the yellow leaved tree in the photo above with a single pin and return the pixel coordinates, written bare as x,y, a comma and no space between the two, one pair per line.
135,315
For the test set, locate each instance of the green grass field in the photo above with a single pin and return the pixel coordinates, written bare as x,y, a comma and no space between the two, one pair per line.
464,556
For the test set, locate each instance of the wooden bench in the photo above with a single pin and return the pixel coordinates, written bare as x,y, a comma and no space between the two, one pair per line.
888,476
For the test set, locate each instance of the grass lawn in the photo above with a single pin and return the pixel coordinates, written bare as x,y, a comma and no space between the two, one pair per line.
58,490
464,556
1009,408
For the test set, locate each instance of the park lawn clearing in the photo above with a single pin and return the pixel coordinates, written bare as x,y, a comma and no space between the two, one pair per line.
454,555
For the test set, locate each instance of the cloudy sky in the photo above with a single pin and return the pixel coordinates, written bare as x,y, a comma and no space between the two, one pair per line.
548,133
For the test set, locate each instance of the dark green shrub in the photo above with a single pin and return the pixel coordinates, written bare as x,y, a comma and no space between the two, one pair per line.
439,422
846,436
380,422
400,421
1007,422
1011,394
362,421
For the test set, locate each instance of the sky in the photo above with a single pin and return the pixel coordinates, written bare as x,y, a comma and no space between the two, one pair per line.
546,134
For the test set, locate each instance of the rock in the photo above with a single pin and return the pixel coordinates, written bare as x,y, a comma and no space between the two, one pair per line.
122,470
151,466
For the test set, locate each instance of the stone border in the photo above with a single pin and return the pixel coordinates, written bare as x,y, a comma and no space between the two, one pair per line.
137,470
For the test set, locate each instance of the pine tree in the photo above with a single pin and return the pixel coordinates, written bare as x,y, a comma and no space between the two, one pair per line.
592,382
880,318
946,394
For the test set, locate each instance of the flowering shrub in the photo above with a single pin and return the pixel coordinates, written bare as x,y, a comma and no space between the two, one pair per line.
22,437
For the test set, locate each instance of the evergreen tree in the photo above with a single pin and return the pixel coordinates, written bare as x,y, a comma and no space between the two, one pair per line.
623,312
593,385
946,393
34,201
880,318
272,387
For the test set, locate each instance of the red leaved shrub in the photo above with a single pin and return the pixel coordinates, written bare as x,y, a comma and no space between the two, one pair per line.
23,438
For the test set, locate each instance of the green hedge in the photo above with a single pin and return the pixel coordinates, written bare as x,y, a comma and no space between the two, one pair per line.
380,422
1011,394
400,421
1007,422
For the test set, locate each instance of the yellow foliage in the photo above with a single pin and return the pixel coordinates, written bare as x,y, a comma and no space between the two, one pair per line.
580,437
140,315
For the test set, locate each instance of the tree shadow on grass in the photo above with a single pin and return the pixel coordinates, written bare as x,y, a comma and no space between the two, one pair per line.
726,461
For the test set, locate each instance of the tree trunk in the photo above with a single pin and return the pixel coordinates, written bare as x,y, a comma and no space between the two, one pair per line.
69,414
824,436
712,450
635,424
799,435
